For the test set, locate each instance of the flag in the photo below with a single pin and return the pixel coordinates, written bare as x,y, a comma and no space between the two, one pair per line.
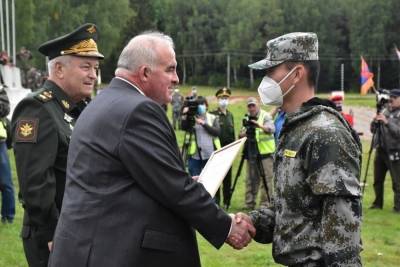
366,78
397,51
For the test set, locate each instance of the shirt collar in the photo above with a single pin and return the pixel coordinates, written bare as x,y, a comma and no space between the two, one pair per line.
134,86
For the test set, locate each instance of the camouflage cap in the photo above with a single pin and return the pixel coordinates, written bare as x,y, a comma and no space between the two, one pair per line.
295,46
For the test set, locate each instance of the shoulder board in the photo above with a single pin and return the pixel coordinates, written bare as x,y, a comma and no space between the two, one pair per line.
44,96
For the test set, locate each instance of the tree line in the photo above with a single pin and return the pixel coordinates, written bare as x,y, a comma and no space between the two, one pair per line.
209,33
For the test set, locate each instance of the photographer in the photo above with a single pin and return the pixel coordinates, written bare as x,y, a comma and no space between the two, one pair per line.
205,129
260,127
386,126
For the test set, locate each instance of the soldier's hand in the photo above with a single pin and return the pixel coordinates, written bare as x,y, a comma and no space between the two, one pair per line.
242,217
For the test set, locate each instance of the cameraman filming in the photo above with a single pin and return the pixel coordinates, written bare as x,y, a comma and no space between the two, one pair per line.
260,127
205,128
386,126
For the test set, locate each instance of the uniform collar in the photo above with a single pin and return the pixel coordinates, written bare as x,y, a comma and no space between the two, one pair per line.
62,98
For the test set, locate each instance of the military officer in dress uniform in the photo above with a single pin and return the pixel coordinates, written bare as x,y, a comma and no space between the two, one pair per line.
226,136
42,124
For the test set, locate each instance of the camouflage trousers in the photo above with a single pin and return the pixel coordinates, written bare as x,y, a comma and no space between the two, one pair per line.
254,183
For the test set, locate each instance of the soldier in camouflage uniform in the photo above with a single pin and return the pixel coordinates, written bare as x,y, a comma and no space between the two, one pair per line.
316,215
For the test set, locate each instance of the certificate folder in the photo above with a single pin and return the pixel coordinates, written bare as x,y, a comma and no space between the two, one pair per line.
218,166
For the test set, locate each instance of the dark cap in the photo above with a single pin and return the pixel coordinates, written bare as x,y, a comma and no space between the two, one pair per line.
395,92
223,92
80,42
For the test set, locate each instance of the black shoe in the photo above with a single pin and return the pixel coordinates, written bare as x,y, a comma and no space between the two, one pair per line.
6,220
396,210
375,207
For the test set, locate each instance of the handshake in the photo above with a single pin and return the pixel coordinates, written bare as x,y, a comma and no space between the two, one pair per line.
242,231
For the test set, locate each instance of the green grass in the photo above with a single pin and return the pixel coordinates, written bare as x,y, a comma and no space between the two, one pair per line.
380,231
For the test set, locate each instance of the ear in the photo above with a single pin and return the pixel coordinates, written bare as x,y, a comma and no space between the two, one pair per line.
59,70
299,73
144,73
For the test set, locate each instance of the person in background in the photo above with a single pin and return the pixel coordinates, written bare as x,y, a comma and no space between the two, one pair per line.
338,101
265,145
205,140
6,184
386,126
279,119
176,103
226,136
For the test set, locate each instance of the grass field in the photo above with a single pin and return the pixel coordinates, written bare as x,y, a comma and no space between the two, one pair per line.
380,231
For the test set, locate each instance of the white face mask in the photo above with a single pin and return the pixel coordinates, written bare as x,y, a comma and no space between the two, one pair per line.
223,103
270,91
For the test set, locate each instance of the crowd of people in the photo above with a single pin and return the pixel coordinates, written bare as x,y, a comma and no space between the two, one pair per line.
105,184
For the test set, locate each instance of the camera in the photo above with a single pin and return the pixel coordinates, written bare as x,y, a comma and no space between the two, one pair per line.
249,125
188,118
382,98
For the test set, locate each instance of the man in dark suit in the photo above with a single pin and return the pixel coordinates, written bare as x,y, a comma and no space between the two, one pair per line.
128,199
42,124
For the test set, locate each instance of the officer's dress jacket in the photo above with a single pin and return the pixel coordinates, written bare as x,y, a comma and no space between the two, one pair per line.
41,125
128,200
316,216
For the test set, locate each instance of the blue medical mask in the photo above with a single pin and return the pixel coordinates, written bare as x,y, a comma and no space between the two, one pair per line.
201,109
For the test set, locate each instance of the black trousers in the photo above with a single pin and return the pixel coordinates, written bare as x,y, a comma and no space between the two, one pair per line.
36,250
382,164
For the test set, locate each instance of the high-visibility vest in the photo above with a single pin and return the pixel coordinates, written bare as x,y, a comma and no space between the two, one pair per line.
217,144
3,131
265,141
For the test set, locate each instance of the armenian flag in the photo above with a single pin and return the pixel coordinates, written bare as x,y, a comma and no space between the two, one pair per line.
366,78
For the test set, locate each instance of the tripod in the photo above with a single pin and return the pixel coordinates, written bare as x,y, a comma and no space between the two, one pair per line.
187,141
254,158
380,104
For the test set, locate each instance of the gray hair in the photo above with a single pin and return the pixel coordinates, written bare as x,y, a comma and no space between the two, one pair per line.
61,59
141,50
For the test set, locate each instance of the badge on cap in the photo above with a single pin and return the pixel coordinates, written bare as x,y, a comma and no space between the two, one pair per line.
26,130
91,29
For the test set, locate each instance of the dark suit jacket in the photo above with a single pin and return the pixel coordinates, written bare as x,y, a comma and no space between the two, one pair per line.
128,200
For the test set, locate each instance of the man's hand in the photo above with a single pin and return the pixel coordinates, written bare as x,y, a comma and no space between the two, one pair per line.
50,245
241,233
200,121
382,118
240,216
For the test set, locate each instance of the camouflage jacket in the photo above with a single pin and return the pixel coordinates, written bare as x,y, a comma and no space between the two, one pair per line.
316,215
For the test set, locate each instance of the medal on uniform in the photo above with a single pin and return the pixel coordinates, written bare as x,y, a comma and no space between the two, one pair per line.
67,118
